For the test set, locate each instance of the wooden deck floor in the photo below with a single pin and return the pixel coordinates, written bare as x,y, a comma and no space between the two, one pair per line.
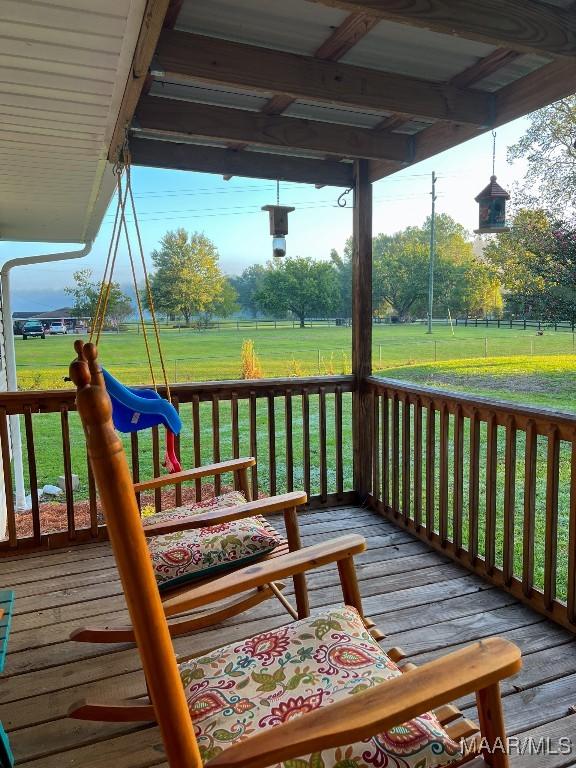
423,602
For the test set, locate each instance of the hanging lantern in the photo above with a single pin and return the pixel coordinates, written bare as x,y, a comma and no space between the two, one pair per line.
278,227
492,202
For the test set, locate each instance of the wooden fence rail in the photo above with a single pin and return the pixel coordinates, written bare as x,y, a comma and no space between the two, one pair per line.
490,484
298,430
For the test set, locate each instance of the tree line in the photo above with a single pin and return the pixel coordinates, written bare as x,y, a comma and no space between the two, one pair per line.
527,272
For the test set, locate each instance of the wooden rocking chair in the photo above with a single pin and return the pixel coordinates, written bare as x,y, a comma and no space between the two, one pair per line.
235,706
193,520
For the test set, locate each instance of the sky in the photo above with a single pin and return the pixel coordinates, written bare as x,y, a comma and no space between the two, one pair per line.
229,213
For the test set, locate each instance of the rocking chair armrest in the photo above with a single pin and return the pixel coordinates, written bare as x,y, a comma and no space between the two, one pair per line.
270,506
195,474
265,571
378,709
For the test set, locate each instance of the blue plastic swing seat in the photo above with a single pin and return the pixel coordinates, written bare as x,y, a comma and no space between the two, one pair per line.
136,409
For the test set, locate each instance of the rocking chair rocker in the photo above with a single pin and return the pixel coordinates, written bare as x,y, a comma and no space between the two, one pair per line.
236,706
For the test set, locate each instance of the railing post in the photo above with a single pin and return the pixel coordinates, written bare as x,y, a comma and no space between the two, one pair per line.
362,328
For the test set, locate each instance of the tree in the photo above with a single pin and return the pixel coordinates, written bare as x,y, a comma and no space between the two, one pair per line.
343,266
86,292
247,285
302,286
187,280
225,306
548,148
537,262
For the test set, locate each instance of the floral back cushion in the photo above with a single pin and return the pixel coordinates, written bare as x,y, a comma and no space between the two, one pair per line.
231,499
235,691
186,556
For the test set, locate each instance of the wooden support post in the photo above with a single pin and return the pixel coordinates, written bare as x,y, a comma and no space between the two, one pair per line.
362,328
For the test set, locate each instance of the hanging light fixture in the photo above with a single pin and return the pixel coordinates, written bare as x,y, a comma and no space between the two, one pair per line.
492,202
278,224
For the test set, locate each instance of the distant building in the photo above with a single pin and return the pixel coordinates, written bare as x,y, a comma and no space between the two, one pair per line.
63,315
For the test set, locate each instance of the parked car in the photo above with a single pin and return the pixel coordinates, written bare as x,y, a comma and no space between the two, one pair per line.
58,328
33,329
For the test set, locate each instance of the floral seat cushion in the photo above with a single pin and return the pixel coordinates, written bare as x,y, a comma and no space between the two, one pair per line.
268,679
231,499
186,556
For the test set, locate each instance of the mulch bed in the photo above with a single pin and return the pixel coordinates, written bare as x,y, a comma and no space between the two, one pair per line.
53,516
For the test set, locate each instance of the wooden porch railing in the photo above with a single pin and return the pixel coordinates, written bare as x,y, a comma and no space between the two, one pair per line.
490,484
298,429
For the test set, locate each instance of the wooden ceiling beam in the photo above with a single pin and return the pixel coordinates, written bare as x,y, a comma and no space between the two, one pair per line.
344,38
152,22
523,25
176,119
226,162
550,83
186,57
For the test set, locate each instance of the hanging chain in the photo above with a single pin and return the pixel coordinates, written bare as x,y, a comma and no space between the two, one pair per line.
278,192
493,153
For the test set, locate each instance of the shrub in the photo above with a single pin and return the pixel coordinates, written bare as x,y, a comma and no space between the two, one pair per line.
250,365
296,369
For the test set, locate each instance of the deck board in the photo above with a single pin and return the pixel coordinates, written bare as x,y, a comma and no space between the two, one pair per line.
423,602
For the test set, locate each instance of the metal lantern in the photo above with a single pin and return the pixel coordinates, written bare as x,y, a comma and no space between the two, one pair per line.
492,208
278,227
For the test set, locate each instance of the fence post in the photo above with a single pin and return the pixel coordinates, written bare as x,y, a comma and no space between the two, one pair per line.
435,351
380,354
318,361
498,322
485,347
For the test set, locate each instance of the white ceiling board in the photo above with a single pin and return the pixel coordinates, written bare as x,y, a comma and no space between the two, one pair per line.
323,113
287,25
63,70
202,94
520,67
417,52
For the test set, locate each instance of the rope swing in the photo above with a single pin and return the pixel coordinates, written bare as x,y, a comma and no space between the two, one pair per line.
135,409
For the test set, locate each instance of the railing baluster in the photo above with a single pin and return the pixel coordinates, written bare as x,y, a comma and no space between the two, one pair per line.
418,464
375,444
235,430
32,474
529,508
430,464
177,447
306,439
254,442
509,501
551,535
156,467
289,441
474,485
571,586
216,441
443,489
322,430
395,454
385,418
406,457
272,443
458,494
65,431
338,436
197,442
8,487
92,500
491,480
135,460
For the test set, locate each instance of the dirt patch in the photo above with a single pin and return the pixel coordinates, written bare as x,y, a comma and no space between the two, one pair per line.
529,384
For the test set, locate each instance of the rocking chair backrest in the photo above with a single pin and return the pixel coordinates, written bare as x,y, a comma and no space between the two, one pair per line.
112,476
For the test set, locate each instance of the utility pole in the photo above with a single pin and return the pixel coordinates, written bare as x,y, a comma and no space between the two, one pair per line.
432,254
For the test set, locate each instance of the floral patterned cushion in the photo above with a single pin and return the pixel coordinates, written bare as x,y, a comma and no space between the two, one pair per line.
187,556
231,499
268,679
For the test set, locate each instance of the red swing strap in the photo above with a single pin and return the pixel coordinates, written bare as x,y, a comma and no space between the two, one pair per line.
170,459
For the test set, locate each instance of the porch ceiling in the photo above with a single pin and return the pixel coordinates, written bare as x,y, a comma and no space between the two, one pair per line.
63,70
329,81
